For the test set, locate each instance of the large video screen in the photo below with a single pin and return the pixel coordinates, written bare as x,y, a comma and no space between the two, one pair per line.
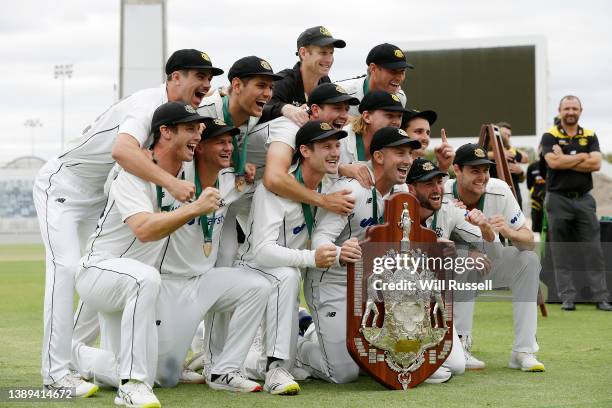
469,87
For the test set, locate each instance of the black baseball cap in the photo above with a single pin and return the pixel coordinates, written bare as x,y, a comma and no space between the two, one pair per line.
391,137
217,127
330,93
388,56
471,154
423,170
381,100
252,65
318,35
190,59
313,131
173,113
429,115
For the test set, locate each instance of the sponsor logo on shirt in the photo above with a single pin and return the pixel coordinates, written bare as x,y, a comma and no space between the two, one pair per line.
299,229
515,218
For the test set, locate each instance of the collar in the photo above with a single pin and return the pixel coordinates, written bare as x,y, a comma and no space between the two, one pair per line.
561,130
351,141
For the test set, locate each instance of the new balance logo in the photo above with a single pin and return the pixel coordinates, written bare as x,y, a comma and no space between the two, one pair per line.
60,200
331,314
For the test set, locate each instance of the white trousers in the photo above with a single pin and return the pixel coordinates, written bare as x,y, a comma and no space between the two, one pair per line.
124,292
520,271
181,305
68,210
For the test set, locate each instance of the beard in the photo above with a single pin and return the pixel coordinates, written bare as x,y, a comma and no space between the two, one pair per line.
569,120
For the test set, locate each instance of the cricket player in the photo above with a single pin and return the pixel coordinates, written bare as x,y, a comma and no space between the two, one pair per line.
426,181
69,197
418,125
386,72
278,245
518,266
325,288
117,277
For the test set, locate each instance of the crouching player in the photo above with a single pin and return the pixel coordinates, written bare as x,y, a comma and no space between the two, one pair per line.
278,244
117,277
325,355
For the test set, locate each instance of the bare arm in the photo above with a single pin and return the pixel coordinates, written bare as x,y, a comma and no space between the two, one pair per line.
154,226
278,180
564,161
129,155
591,164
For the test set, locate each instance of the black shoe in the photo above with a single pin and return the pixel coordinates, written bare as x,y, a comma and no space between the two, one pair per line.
605,306
569,305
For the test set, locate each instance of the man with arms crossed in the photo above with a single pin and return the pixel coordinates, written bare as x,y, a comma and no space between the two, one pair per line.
517,267
69,197
117,278
325,288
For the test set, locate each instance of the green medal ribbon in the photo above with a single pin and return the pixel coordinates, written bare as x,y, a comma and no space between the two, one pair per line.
366,85
480,204
206,231
160,194
435,221
360,147
308,213
375,208
238,156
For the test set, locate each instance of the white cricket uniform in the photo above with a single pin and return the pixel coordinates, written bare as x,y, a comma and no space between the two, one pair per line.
325,289
276,246
259,137
69,198
519,270
348,147
193,287
118,279
356,87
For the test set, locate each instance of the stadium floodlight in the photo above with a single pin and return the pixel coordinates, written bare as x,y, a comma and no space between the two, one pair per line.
32,124
62,72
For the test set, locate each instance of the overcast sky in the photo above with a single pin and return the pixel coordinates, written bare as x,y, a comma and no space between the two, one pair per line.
36,35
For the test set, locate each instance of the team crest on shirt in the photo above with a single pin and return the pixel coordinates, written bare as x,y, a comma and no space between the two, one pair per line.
399,53
395,97
190,109
265,65
219,122
325,32
205,57
479,153
325,126
582,141
438,232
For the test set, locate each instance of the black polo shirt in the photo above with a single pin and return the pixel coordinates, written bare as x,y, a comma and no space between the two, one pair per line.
569,181
290,90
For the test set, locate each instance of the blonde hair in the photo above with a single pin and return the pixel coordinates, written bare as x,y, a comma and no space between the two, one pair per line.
358,124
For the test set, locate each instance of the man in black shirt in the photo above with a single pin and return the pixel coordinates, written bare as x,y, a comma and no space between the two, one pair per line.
572,154
315,48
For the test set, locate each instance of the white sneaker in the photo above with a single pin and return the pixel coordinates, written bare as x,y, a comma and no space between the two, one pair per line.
189,376
234,381
441,375
526,362
471,362
196,362
280,382
136,394
74,381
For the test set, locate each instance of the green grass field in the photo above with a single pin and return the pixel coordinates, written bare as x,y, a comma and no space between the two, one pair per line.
576,348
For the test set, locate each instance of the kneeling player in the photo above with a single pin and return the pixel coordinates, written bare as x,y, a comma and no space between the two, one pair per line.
325,288
117,276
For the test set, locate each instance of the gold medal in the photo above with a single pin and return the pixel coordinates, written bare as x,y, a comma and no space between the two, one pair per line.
207,248
240,183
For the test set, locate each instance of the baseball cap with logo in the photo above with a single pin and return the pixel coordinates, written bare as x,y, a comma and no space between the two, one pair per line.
423,170
313,131
391,137
381,100
217,127
173,113
388,56
190,59
252,65
318,35
471,154
429,115
330,93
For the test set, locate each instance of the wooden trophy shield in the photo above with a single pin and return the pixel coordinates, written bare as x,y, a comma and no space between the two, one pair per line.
490,135
399,336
